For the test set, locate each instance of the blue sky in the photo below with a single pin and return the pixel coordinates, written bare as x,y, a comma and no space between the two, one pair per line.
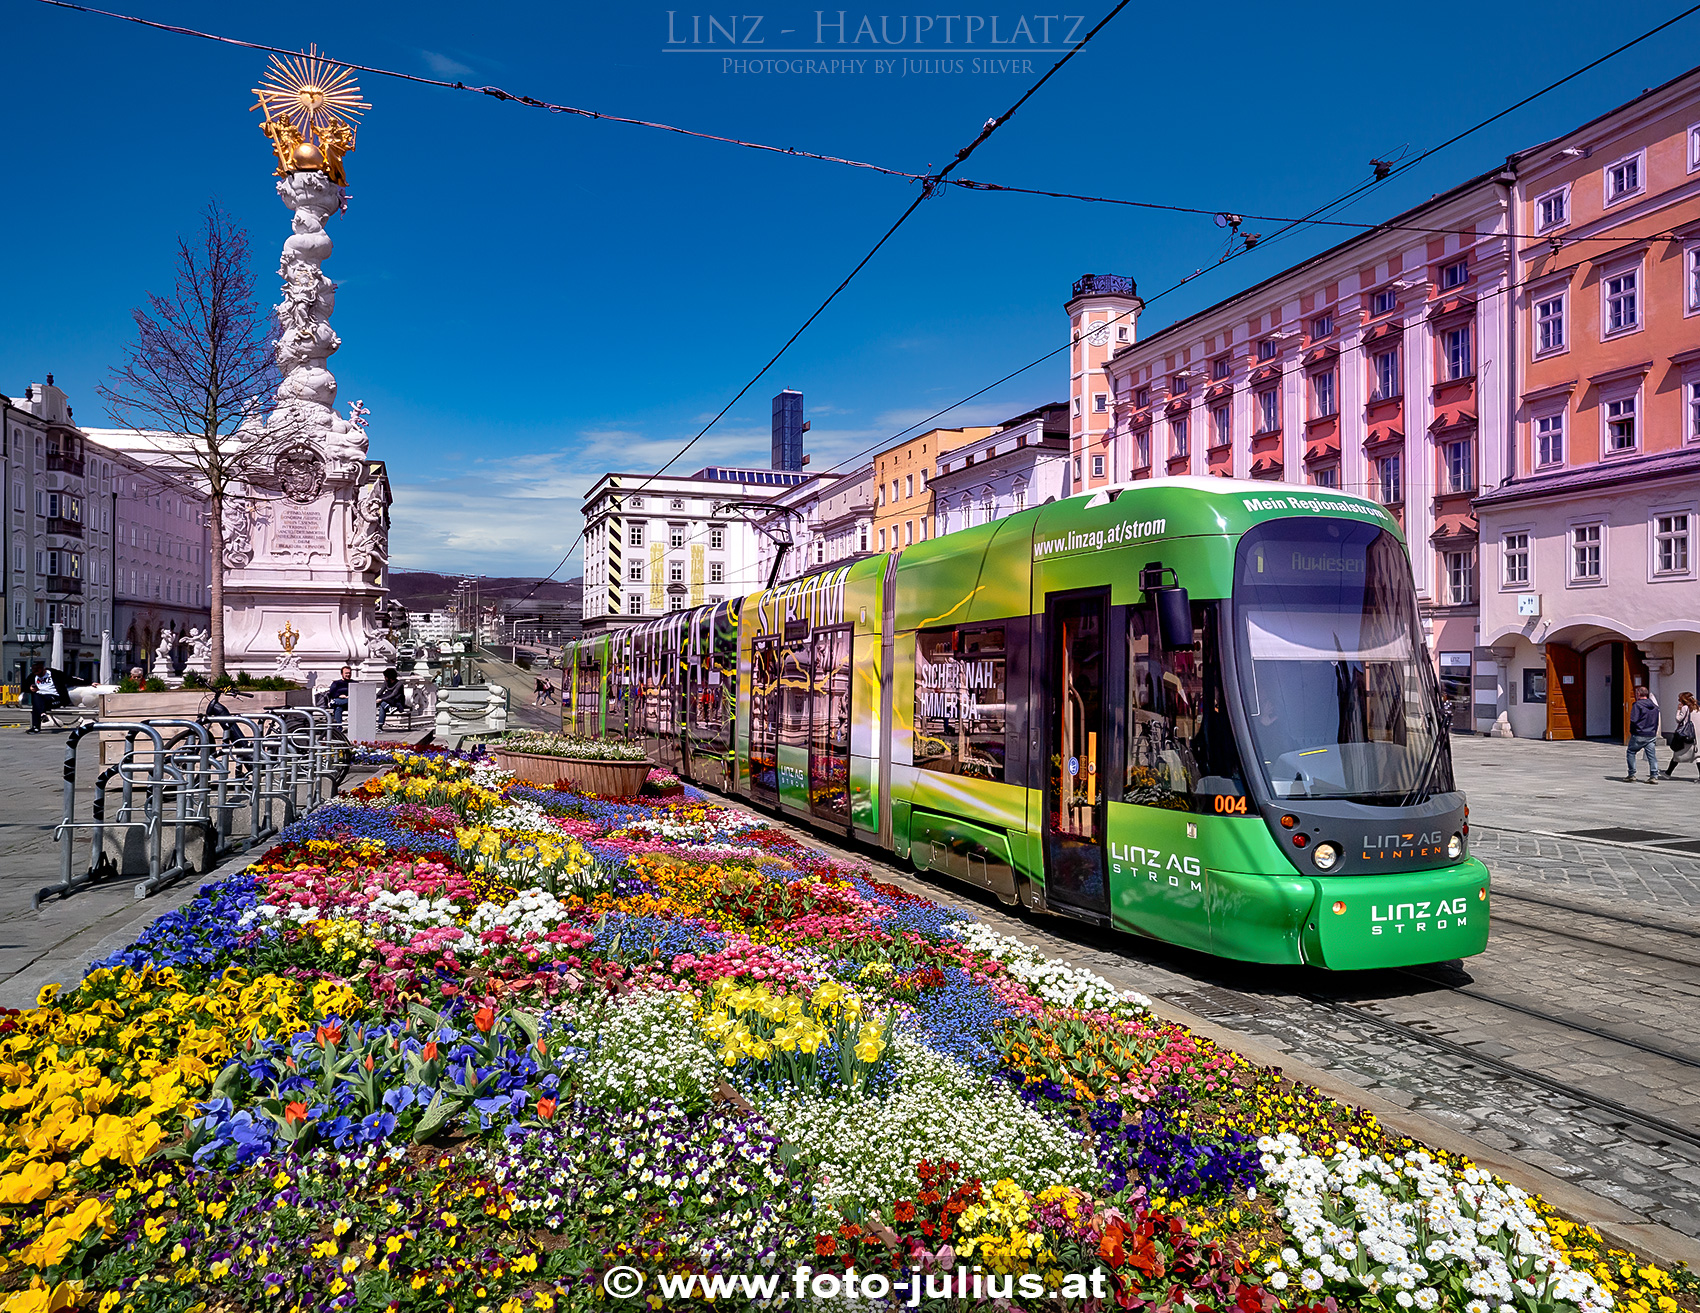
528,299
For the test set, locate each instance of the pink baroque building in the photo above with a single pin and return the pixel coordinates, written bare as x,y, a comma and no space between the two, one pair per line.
1379,366
1589,546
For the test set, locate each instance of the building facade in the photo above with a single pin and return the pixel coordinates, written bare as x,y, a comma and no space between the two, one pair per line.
1589,546
827,518
656,543
58,535
1103,318
903,494
1023,462
1380,366
161,569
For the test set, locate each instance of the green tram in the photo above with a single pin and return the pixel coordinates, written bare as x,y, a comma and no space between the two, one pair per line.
1196,709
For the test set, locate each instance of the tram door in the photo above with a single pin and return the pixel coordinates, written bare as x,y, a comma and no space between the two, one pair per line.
829,725
1077,743
764,719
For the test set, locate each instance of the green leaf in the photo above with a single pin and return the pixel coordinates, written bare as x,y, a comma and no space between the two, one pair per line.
436,1116
531,1024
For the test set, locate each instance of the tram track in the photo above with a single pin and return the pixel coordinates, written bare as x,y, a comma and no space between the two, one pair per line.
1677,931
1500,918
1575,1093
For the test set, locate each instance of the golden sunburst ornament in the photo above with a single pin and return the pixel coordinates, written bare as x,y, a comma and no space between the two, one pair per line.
312,107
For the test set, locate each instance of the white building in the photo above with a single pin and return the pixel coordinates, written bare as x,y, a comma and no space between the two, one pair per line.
1025,462
656,543
58,534
829,518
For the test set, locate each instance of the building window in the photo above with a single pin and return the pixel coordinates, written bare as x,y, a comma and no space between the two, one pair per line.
1586,563
1268,411
676,603
1694,148
862,538
717,572
634,603
1549,325
1460,466
716,538
1121,333
1266,349
1514,556
1670,543
634,535
634,572
1552,210
1455,274
1623,178
1460,579
1141,451
1142,396
675,535
677,504
1386,375
675,572
1097,467
636,503
1549,439
1179,445
1100,402
1389,480
1020,495
1221,367
1221,425
894,485
1622,311
1620,424
1694,412
1384,301
1322,394
1322,325
1694,277
882,540
1456,343
1326,477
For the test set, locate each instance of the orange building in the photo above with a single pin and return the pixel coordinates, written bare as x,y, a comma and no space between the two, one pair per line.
903,499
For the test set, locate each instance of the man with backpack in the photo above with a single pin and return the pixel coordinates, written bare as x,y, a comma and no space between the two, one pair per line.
1643,733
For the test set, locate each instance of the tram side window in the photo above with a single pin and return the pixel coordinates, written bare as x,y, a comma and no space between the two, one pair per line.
1180,748
960,717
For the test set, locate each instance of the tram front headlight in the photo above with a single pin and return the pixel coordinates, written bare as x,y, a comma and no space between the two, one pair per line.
1326,856
1455,846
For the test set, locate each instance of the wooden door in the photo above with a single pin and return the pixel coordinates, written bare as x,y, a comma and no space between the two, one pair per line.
1632,670
1566,697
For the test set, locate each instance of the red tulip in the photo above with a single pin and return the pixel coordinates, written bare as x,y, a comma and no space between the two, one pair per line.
295,1112
431,1051
484,1019
546,1109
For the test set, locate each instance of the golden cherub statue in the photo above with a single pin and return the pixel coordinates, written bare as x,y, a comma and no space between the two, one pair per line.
311,107
287,637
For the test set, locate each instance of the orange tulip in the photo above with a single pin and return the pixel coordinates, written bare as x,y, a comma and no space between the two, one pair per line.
484,1019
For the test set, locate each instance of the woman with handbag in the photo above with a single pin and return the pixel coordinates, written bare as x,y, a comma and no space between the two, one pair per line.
1682,737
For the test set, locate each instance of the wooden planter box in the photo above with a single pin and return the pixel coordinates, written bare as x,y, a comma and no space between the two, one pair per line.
608,779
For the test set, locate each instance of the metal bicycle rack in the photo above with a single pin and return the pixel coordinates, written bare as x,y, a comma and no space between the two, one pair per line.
216,785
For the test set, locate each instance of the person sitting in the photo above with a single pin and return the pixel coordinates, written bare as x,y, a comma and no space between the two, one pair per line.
336,696
392,696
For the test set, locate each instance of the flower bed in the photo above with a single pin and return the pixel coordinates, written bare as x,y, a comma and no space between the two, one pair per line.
457,1042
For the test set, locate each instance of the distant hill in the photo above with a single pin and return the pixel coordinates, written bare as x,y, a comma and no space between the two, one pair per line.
426,590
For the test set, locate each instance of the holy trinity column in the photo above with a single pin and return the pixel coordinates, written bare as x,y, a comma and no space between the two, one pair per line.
307,541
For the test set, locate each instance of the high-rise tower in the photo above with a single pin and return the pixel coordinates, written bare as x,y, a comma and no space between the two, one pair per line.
788,427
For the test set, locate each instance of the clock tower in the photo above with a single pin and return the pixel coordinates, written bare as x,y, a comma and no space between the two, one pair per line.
1103,313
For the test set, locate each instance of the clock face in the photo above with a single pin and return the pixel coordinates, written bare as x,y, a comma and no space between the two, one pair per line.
1100,336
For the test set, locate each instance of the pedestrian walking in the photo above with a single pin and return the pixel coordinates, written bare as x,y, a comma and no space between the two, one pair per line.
44,693
549,691
1681,738
1643,733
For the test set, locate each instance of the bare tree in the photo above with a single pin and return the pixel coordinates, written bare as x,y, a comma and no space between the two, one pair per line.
200,377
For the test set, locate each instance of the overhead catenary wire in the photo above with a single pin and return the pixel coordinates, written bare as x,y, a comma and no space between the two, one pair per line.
929,188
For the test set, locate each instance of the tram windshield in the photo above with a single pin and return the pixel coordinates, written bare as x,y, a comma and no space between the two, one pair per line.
1337,687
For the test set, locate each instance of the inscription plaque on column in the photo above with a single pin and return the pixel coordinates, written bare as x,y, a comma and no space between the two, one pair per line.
299,530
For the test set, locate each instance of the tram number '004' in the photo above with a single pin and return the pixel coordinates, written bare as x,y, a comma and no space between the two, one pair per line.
1223,805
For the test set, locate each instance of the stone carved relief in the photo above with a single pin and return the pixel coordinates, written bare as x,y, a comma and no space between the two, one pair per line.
238,533
370,548
379,648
